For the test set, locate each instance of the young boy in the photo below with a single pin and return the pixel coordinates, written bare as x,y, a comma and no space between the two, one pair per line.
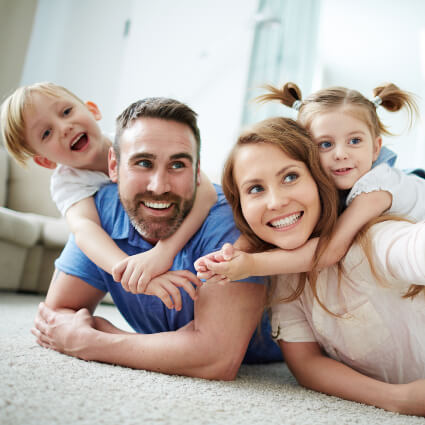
51,125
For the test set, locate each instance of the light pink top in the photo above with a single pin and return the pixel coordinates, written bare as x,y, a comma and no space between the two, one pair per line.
380,333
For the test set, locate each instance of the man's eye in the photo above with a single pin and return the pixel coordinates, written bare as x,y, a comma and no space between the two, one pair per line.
145,163
324,145
354,141
289,178
256,189
177,165
67,111
45,134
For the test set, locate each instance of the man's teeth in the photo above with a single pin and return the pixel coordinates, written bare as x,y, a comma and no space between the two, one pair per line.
158,205
77,140
287,221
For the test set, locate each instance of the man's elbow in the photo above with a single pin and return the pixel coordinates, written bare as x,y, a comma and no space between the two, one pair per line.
224,367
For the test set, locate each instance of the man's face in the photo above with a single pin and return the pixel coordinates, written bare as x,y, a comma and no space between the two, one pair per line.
157,175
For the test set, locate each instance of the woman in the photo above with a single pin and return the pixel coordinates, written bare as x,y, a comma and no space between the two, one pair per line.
355,330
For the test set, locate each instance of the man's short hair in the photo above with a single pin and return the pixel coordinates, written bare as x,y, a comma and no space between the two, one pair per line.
157,107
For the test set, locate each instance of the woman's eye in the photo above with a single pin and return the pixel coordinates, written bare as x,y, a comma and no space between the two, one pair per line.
177,165
45,134
255,189
324,145
67,111
145,163
289,178
354,141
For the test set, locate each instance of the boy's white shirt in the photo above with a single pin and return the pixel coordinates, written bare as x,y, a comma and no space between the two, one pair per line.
70,185
407,190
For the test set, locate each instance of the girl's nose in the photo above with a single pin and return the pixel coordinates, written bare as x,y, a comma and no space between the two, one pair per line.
340,152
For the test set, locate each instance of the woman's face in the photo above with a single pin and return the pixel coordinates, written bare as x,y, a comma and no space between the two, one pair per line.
279,198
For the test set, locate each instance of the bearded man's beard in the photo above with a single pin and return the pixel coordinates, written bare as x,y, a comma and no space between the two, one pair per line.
156,228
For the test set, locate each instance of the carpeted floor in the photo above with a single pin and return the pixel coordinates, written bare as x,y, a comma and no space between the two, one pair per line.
42,387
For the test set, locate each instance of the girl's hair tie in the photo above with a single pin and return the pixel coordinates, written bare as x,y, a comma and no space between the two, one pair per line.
376,101
297,105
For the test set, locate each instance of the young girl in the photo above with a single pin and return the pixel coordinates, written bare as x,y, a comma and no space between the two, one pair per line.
354,331
51,125
347,130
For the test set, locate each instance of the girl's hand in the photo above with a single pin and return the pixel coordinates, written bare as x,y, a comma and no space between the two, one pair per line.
135,272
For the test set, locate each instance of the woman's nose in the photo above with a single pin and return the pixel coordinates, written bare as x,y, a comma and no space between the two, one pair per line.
276,199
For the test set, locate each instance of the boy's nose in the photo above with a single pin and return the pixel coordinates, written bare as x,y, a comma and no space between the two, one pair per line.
66,129
159,183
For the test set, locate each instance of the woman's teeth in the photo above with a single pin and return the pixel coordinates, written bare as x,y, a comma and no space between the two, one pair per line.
287,221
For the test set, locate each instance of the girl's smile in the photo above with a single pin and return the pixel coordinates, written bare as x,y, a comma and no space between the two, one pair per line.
278,196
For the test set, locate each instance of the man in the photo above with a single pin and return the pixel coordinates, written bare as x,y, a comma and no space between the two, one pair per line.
155,161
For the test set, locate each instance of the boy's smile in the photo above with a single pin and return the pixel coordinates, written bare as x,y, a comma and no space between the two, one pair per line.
63,130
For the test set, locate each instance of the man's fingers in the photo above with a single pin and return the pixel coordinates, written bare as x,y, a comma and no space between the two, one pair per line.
163,295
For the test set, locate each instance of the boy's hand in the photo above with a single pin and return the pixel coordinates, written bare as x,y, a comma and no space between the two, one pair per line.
135,272
166,287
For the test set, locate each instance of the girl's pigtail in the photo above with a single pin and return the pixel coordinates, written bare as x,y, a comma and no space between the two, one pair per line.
289,95
393,99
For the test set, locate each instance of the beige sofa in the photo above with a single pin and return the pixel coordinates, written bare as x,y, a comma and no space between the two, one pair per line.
32,233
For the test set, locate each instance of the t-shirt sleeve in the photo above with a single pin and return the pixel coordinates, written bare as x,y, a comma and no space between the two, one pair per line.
398,249
70,185
407,190
289,321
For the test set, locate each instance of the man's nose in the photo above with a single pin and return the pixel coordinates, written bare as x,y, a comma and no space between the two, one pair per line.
159,182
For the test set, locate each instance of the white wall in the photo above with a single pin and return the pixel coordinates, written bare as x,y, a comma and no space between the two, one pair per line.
364,43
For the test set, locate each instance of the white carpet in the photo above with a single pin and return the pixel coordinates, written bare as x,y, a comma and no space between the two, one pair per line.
42,387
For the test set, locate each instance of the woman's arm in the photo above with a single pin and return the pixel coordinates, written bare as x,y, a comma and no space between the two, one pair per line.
314,370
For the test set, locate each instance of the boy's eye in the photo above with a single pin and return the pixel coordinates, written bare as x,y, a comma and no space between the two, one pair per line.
177,165
354,141
289,178
255,189
324,145
45,134
145,163
67,111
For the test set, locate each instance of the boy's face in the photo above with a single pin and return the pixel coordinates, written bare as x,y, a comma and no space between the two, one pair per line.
63,130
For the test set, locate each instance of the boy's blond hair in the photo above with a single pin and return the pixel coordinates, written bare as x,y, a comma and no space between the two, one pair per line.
12,117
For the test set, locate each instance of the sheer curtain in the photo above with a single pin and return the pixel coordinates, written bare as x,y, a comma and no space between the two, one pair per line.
284,49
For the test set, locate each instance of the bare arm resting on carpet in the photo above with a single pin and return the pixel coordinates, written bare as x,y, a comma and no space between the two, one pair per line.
212,346
314,370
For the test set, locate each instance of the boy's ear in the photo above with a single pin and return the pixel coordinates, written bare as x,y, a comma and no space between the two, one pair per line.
44,162
94,109
112,165
377,147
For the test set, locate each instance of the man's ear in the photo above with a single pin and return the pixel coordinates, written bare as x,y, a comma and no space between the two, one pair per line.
112,165
377,147
44,162
94,109
198,173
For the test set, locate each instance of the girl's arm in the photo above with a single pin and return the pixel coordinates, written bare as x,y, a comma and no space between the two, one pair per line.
235,264
135,272
314,370
83,221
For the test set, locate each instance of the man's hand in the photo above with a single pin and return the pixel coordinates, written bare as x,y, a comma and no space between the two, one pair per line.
67,332
166,287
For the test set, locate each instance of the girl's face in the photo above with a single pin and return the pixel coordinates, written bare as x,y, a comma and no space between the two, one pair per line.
346,145
279,198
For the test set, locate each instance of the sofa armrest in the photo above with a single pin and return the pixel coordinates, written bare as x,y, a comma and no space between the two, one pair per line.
18,228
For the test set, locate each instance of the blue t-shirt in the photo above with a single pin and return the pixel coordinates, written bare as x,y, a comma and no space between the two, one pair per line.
146,313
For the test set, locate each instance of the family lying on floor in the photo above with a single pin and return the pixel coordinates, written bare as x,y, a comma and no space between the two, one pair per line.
312,224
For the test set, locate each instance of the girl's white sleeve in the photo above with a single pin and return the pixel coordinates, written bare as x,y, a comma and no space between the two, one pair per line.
407,190
70,185
398,249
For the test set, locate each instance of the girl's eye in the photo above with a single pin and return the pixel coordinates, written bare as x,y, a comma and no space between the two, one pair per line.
255,189
177,165
354,141
45,134
67,111
289,178
324,145
144,163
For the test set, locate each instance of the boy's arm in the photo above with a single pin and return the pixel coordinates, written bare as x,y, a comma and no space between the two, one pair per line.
83,221
314,370
135,272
